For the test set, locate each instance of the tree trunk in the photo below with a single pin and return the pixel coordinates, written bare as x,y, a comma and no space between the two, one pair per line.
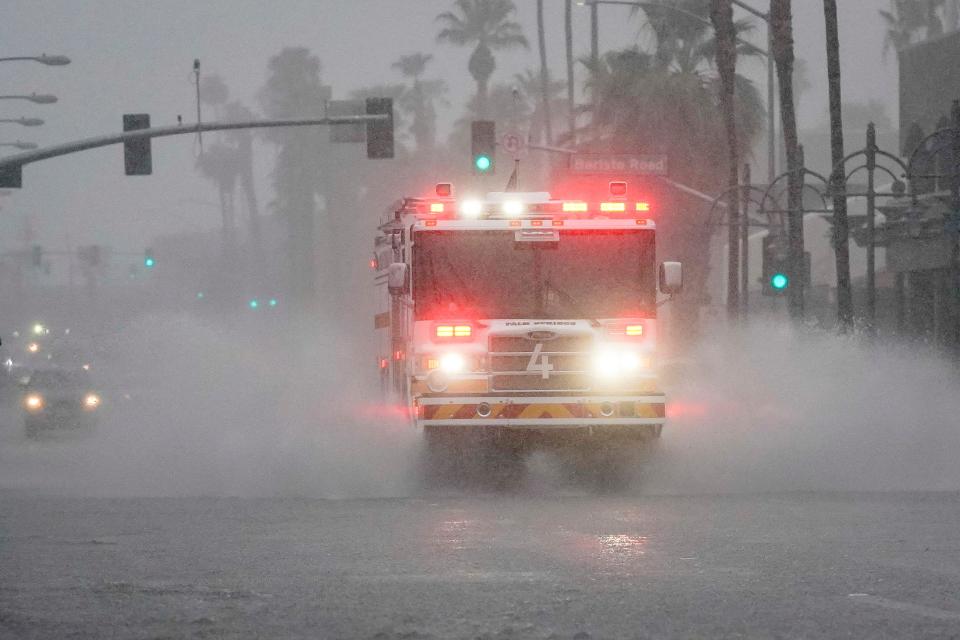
781,22
250,193
571,98
544,74
721,15
841,227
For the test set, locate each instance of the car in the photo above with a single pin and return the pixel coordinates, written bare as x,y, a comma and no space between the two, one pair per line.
60,399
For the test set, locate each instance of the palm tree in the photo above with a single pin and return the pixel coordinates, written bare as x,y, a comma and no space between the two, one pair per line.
488,25
529,83
243,141
781,23
571,99
721,15
841,226
293,90
219,164
683,37
544,73
419,100
643,106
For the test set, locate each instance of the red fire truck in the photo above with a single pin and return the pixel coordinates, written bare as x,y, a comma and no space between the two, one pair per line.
526,320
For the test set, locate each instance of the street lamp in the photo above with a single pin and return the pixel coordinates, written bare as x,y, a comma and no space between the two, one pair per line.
27,122
36,98
24,146
52,61
768,52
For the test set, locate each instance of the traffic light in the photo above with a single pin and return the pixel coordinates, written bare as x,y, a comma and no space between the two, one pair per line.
36,256
11,177
380,133
483,145
137,159
776,273
148,260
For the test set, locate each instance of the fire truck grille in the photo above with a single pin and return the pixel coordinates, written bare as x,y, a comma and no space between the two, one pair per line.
518,363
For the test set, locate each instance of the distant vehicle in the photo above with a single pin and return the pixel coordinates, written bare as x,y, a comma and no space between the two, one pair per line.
59,399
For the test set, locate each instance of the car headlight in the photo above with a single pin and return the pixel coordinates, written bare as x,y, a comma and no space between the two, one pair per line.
33,402
91,401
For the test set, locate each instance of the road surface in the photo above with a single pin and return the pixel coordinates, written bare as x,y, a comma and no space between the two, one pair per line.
792,565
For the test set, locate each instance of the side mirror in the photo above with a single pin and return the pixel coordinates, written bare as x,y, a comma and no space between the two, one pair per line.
397,278
671,278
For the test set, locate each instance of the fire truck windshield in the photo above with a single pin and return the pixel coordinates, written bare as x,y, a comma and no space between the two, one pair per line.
490,274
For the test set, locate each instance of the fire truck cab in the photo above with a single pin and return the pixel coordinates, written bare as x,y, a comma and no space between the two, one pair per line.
526,318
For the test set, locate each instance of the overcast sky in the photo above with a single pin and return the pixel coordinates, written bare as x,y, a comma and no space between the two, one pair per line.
136,56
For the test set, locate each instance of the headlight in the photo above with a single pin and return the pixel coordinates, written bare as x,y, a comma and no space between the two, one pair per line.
33,402
471,208
609,363
606,364
91,401
452,363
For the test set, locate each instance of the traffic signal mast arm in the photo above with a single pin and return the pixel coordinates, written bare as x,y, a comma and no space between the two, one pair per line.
27,157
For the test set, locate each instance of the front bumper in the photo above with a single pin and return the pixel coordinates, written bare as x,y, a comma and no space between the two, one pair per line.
541,411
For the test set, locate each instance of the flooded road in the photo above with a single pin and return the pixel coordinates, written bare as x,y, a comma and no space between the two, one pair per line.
489,566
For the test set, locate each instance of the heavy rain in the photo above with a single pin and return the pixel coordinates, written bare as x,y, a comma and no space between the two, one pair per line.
480,319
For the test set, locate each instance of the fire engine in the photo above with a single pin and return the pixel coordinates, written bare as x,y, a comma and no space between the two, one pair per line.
528,319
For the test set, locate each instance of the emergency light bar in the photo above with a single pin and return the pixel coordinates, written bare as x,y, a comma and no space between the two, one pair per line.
518,205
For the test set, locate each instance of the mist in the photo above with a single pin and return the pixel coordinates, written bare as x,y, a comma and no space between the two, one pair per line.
198,410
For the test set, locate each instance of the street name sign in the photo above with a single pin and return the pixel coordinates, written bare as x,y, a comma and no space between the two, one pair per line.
618,164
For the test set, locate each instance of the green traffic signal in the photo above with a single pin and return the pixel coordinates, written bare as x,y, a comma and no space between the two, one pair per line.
254,303
779,281
482,163
148,262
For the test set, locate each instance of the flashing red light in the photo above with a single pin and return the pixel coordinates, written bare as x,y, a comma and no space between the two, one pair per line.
613,207
373,263
444,189
618,189
643,206
383,363
398,355
436,207
574,207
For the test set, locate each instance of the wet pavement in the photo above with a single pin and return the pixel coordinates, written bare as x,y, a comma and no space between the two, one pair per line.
801,565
